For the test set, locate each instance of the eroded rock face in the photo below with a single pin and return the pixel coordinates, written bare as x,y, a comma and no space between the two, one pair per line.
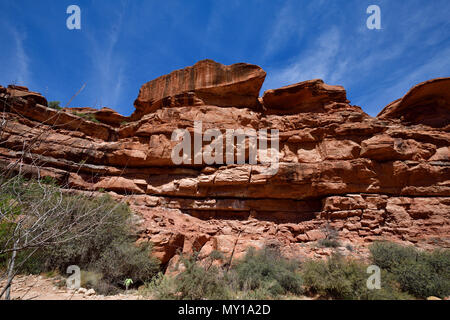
23,92
367,178
427,103
307,96
104,115
205,83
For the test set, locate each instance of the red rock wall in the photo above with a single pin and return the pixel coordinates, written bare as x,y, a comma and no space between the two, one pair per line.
368,178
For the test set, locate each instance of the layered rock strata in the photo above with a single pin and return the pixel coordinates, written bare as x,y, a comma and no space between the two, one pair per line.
367,178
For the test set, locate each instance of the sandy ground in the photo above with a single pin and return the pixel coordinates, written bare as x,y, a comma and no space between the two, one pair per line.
41,288
33,287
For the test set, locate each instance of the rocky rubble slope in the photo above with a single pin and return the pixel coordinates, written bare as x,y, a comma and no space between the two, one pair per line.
368,178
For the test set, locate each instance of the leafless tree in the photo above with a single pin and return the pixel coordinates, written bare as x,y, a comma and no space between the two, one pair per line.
34,214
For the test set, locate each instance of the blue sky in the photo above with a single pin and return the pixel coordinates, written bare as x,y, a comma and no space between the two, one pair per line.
123,44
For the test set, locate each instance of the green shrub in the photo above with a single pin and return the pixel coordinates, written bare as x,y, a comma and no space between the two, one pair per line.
216,255
331,237
389,256
196,282
420,273
346,279
6,229
111,251
94,279
126,261
268,270
264,292
329,243
259,275
160,287
106,288
86,116
90,279
104,245
54,105
193,283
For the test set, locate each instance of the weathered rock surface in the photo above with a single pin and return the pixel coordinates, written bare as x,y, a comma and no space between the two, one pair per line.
307,96
367,178
427,103
104,115
205,83
23,92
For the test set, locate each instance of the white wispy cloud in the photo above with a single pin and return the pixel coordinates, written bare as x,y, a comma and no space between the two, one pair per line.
22,58
109,67
286,26
16,62
317,61
399,83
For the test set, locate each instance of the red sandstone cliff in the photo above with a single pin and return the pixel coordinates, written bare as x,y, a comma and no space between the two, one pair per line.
369,178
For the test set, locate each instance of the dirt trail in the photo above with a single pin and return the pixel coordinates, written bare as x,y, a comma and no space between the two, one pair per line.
34,287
